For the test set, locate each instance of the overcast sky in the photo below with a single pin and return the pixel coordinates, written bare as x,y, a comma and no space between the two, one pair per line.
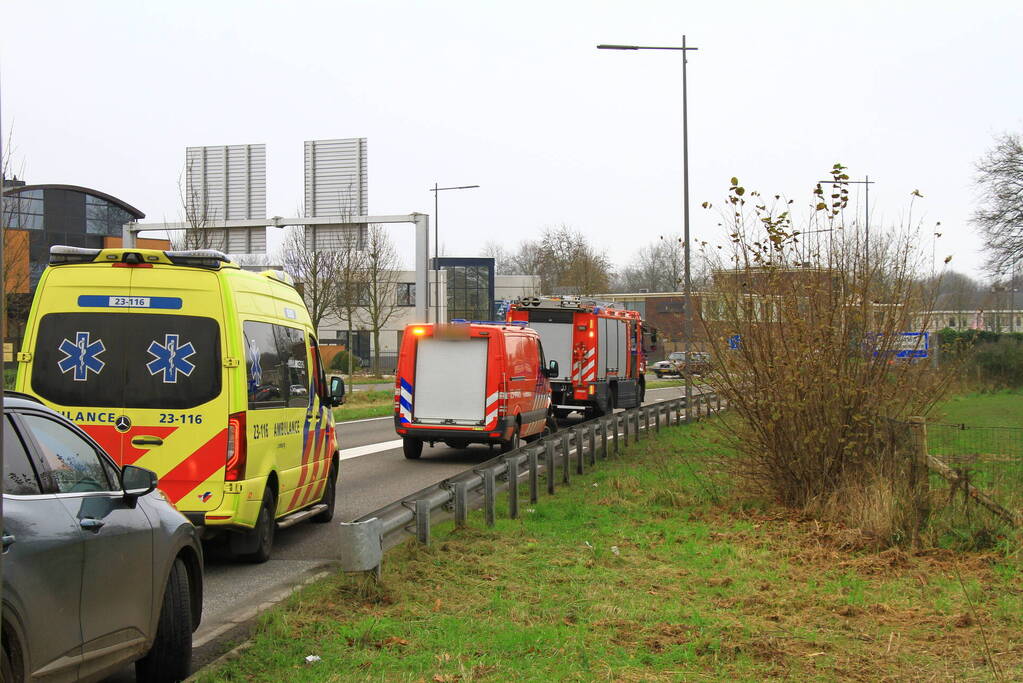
514,97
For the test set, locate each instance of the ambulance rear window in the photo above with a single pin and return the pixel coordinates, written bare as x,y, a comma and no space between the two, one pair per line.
128,360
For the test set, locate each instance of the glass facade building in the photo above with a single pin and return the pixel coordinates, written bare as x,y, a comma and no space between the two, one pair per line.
63,214
470,287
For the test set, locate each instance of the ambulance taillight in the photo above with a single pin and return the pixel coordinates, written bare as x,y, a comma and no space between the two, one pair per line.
235,469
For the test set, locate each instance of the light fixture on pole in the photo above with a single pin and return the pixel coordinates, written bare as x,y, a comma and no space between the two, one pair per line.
687,321
436,251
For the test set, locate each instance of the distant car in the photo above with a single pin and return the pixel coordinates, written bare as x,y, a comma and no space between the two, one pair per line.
99,569
676,364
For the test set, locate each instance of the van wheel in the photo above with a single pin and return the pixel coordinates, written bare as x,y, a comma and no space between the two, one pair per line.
170,658
7,664
550,426
514,442
329,497
262,537
413,448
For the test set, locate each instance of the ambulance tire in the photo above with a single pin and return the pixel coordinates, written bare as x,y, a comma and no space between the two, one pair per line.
262,537
329,497
514,442
412,448
170,657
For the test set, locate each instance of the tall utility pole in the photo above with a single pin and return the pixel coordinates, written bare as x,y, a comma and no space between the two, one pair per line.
866,183
436,249
687,322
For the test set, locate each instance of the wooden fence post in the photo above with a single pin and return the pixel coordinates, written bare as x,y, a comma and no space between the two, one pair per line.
920,484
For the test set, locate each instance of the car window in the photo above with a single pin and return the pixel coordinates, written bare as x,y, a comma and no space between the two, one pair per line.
19,475
73,466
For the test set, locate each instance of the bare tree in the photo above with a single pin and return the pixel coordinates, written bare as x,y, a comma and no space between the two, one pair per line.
16,266
503,264
199,214
1000,216
381,274
315,272
350,289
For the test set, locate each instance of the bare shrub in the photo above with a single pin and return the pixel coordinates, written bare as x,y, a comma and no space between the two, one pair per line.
814,380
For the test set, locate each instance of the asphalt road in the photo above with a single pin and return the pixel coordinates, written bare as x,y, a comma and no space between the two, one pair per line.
374,472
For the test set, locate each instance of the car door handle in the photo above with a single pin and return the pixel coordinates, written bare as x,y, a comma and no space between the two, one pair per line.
9,540
91,524
147,441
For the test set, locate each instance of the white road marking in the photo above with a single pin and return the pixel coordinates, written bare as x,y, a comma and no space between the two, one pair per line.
365,419
368,449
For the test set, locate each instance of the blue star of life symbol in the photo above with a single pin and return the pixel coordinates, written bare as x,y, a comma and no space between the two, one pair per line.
170,358
256,371
81,355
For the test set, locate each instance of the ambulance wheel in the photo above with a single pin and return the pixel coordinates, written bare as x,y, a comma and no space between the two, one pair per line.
329,498
412,448
512,443
170,657
262,537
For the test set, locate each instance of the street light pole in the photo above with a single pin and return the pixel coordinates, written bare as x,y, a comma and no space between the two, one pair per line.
436,251
687,322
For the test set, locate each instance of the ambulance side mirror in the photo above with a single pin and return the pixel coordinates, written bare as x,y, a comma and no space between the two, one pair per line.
552,369
337,391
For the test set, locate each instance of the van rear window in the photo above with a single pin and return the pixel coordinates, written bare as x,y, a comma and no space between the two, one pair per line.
132,360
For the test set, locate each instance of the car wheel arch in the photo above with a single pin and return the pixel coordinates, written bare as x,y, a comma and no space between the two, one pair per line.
193,564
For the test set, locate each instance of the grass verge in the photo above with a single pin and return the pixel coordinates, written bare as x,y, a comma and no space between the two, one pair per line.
650,568
362,404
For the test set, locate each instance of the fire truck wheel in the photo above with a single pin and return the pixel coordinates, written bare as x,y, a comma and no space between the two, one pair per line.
561,413
512,443
329,497
412,448
550,426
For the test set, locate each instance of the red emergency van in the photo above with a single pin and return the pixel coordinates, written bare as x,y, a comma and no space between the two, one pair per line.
470,382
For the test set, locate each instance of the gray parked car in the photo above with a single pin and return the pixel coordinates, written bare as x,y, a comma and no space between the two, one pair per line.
99,570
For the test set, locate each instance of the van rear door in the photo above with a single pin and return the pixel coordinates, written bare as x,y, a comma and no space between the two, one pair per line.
450,381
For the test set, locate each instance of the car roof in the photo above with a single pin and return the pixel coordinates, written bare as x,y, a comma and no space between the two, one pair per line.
16,399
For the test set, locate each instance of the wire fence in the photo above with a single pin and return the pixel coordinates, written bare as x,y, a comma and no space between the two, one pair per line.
988,458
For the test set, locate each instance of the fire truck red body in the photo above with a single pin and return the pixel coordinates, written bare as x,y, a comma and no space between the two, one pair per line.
599,349
465,383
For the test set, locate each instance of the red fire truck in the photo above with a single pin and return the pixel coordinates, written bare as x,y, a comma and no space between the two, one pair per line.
470,382
598,347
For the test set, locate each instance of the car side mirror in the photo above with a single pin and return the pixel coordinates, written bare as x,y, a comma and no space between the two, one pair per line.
137,481
552,369
337,391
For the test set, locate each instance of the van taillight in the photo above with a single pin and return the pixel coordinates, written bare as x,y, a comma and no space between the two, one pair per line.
235,470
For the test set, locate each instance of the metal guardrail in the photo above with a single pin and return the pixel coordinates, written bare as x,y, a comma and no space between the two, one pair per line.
554,456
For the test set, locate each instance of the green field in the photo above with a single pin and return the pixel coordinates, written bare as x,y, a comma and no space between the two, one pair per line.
651,568
362,404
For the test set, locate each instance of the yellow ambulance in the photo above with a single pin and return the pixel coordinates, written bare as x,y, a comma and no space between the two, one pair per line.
209,375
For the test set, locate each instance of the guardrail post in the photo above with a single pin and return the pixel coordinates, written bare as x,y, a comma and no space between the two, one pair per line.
513,486
635,424
461,490
614,431
566,460
678,412
489,495
603,438
657,417
534,474
579,448
625,427
549,466
423,521
592,433
646,420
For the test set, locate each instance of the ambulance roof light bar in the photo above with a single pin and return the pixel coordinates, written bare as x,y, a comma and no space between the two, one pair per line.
201,258
61,254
